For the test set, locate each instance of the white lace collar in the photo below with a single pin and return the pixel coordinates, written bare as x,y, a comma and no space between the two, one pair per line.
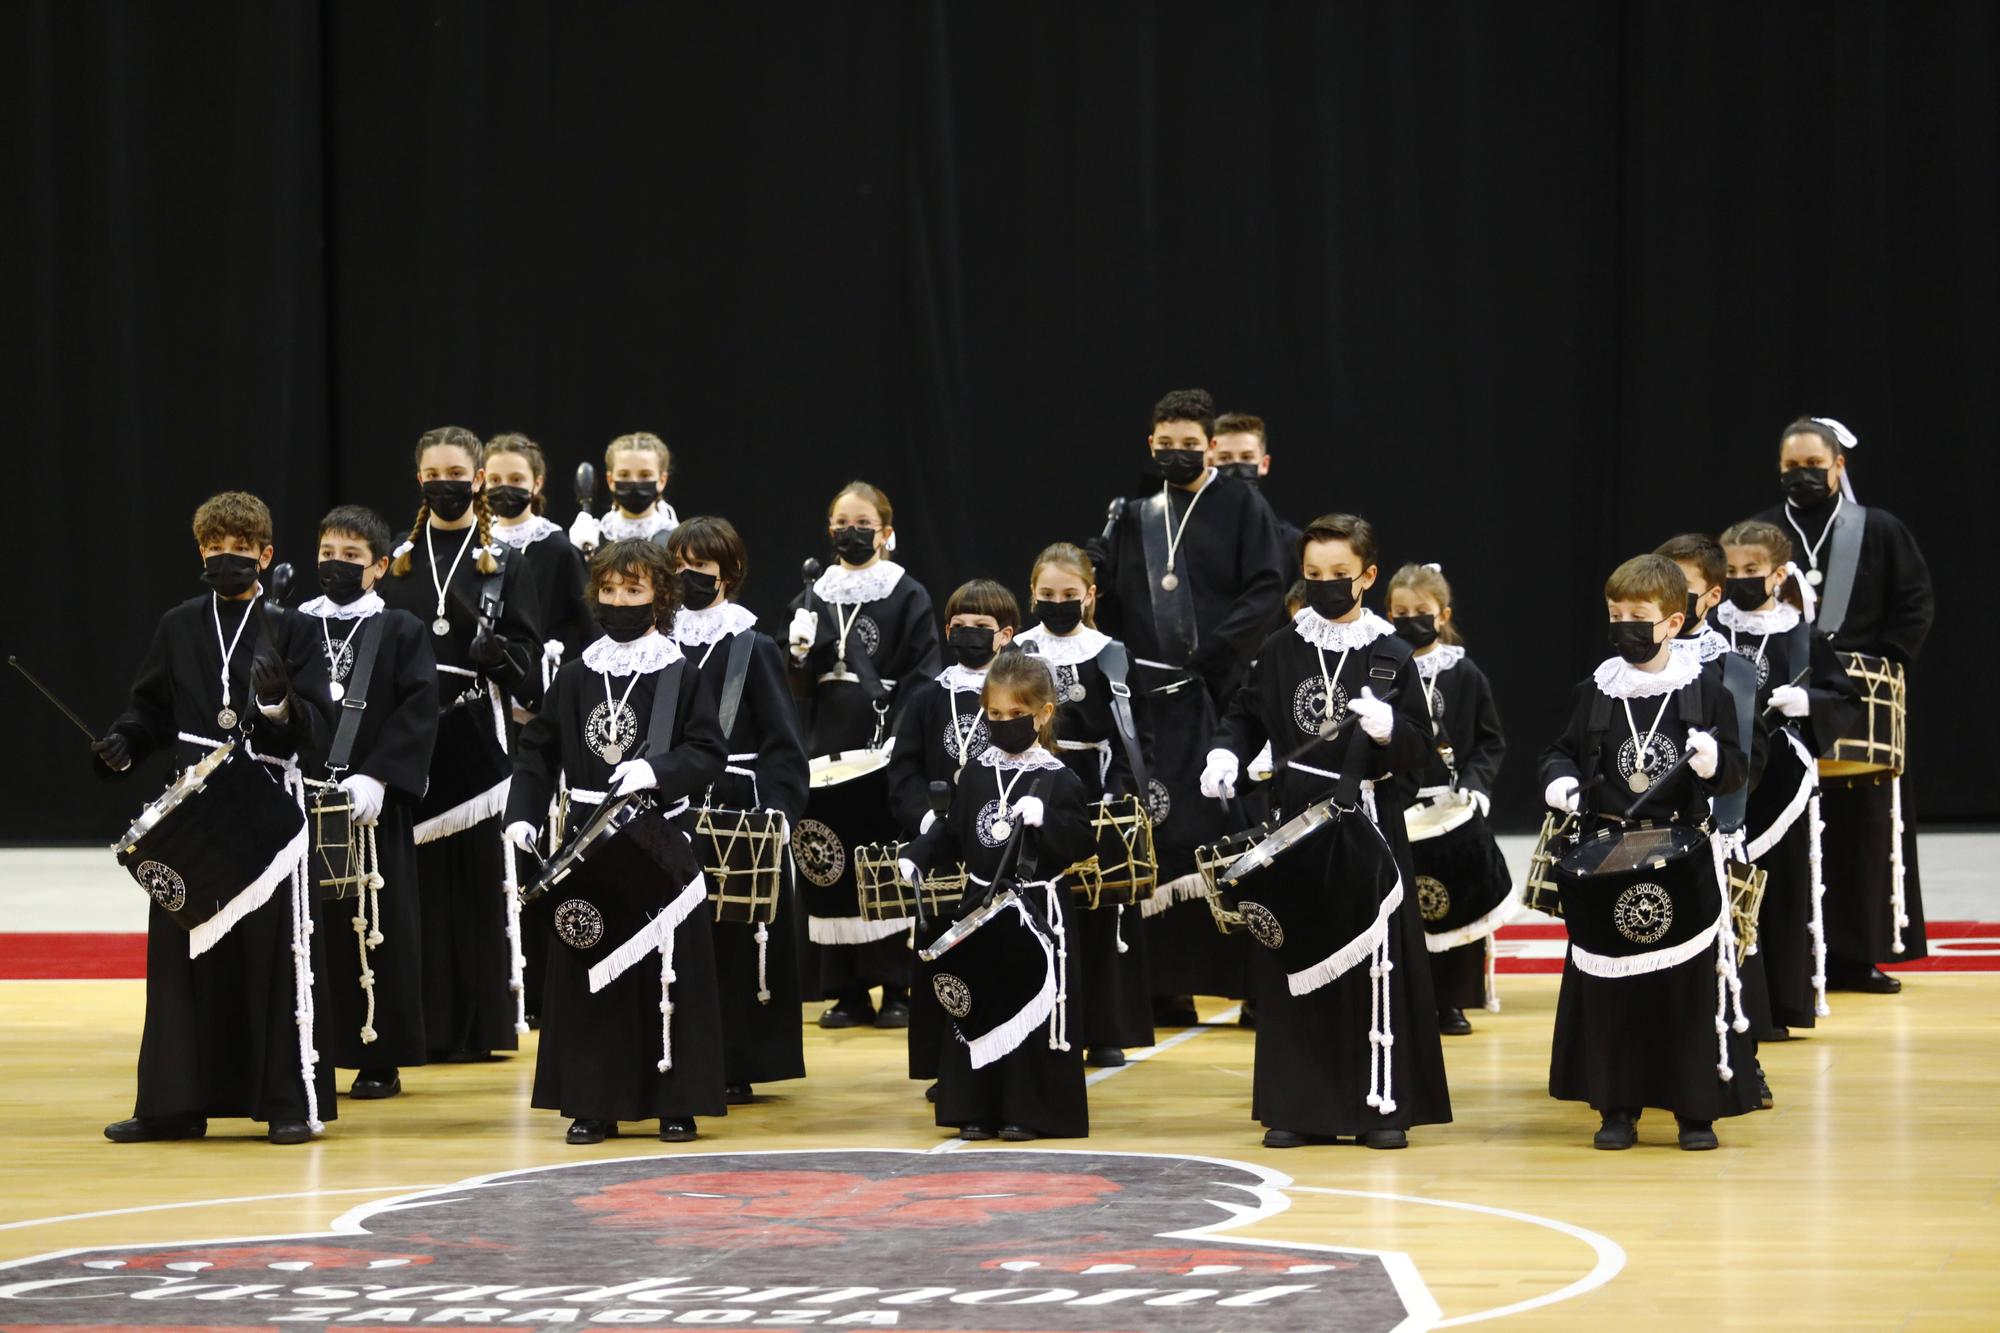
618,528
959,679
712,623
1441,658
1704,647
1030,759
848,586
367,604
1621,680
647,653
523,535
1780,619
1082,646
1340,635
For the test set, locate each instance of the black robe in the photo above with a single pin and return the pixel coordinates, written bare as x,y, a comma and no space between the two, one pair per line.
393,746
763,1041
1778,978
1464,714
1313,1051
1649,1040
557,575
1032,1085
1114,1006
598,1052
221,1036
1890,609
1231,573
469,1003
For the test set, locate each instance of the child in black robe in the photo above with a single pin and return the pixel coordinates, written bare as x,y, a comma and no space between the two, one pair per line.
645,1043
375,951
637,467
1036,1088
1626,1042
233,1032
757,967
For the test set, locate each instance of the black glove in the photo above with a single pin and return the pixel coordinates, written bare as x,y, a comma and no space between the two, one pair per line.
487,650
114,750
268,676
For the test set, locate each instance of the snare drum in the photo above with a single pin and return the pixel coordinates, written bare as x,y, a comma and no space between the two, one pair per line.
611,884
1462,880
1540,892
1875,744
1433,819
743,854
1638,898
1125,870
337,867
847,807
1746,899
995,975
886,896
1209,862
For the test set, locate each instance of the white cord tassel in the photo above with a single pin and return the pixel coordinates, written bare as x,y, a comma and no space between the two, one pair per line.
517,961
1492,982
302,974
1059,1021
1898,907
1728,981
667,980
1118,929
763,952
1381,1024
1815,826
368,922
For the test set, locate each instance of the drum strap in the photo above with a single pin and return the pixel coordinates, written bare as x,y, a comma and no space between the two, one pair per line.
1174,626
1842,560
666,708
355,701
733,676
1111,660
1739,678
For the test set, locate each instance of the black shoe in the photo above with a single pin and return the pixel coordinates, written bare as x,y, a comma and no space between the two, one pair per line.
372,1085
975,1133
846,1014
1018,1134
290,1131
1246,1017
1385,1138
1286,1138
1453,1023
895,1014
1764,1099
1619,1131
591,1131
1106,1057
738,1094
1175,1011
1870,980
677,1131
156,1129
930,1093
1697,1135
1776,1032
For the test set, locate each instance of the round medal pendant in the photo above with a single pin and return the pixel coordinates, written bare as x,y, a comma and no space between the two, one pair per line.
1002,829
441,627
614,755
1076,694
1814,577
1170,580
226,719
336,691
1639,782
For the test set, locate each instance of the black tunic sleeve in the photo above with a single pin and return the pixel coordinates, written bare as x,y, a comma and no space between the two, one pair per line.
783,772
909,768
1484,745
1910,604
1564,756
1260,583
399,749
1244,729
538,755
698,752
148,720
1833,697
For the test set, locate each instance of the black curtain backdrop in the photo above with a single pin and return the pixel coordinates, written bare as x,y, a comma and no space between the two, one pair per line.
1532,286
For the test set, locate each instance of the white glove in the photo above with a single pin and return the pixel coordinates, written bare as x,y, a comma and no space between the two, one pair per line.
1702,754
633,775
1377,718
908,870
367,794
805,628
1218,779
1483,801
1029,811
585,533
1561,795
1791,701
1261,767
924,824
522,834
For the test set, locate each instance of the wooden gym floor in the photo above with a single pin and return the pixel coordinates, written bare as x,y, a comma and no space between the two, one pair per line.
1868,1199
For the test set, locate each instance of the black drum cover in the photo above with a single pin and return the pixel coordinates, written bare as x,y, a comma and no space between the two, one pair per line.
1320,906
1780,797
469,772
1461,878
838,819
619,886
1641,899
998,983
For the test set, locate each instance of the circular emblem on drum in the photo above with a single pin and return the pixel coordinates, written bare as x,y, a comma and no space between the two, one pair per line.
989,815
1643,913
1433,899
1159,801
953,994
869,633
820,853
167,887
1309,705
1262,923
578,924
611,736
1661,755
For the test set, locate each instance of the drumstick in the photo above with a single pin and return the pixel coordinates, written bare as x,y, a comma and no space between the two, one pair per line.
1807,671
586,487
49,694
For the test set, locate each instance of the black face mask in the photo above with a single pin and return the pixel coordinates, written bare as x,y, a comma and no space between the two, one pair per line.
1691,622
855,546
971,645
1014,735
1180,466
1805,487
1240,471
635,497
1417,631
1059,617
624,623
1746,594
509,501
340,580
1633,640
448,499
230,575
1332,598
698,590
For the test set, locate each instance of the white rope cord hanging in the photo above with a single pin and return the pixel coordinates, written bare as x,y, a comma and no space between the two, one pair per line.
302,974
517,960
1059,1020
1381,1021
1899,906
1118,929
367,920
1815,826
1728,981
1492,980
667,979
763,952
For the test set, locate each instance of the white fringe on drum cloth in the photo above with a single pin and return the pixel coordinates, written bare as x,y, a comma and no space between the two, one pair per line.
368,920
1898,905
481,807
656,934
1482,929
517,958
998,1043
854,929
1815,828
1782,825
1180,889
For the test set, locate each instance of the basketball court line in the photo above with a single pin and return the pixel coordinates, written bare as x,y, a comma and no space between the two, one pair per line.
201,1203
